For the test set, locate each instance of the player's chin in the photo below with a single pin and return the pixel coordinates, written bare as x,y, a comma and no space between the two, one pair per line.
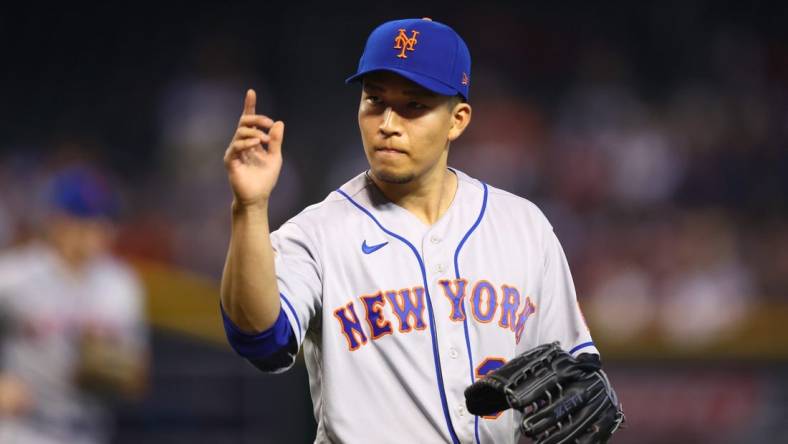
392,175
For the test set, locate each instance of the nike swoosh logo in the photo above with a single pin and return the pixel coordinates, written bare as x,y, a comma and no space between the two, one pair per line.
368,249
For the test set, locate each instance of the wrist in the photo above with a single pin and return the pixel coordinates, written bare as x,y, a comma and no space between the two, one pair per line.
250,208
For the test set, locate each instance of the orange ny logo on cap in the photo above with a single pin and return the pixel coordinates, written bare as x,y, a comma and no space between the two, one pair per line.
404,43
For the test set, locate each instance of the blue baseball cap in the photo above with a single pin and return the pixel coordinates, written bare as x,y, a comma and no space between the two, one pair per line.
428,53
82,192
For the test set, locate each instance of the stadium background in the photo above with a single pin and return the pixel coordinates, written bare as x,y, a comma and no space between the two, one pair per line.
653,135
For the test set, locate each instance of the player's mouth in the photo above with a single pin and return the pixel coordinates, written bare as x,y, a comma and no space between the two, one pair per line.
385,150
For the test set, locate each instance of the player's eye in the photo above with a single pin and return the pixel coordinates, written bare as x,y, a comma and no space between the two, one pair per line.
373,100
416,105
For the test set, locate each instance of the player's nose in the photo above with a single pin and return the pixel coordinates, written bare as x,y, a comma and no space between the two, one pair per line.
390,126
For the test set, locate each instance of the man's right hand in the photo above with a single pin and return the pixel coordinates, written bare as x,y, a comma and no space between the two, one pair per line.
254,157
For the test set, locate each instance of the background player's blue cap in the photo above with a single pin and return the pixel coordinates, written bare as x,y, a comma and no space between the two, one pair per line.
426,52
82,192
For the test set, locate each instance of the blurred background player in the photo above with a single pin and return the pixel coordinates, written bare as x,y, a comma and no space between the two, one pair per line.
72,336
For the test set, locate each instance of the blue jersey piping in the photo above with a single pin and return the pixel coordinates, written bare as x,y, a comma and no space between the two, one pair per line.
581,346
465,320
295,316
433,333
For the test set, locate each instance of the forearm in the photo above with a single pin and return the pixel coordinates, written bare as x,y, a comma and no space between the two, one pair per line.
249,291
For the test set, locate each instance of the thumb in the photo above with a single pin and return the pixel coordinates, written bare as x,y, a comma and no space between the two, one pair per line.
250,101
277,134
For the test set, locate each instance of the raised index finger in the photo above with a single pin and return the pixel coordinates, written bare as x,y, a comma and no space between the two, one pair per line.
249,102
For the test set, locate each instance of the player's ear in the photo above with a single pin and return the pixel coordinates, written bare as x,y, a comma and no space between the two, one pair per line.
460,118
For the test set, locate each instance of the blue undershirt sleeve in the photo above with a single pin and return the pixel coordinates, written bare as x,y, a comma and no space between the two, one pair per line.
267,350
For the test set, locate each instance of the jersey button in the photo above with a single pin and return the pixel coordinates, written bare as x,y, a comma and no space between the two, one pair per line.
453,353
435,239
440,268
461,410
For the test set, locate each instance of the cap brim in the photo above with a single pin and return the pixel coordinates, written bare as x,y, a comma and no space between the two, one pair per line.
427,82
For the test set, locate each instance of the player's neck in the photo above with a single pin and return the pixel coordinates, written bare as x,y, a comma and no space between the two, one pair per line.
427,197
68,255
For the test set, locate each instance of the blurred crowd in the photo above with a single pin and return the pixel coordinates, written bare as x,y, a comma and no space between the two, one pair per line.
671,208
670,201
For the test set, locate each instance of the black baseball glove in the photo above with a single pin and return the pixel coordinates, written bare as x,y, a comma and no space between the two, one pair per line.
563,399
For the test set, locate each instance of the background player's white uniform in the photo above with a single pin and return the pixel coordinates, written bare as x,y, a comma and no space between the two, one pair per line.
44,310
397,317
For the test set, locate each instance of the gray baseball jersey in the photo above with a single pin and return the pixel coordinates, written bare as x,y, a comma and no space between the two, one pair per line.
397,318
44,309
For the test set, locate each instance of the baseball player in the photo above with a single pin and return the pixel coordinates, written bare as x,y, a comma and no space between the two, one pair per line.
71,330
410,281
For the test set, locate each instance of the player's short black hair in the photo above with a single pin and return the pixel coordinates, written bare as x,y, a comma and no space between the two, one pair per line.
454,100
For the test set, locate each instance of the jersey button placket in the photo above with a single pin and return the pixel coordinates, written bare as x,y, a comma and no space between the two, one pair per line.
438,261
